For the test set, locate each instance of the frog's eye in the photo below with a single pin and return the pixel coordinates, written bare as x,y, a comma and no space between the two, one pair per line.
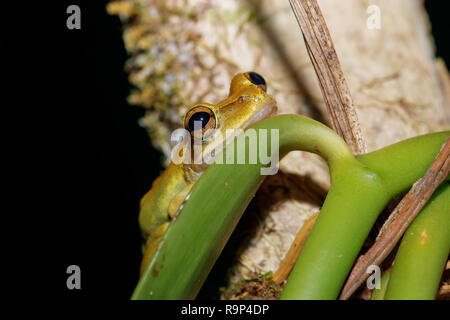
257,79
200,118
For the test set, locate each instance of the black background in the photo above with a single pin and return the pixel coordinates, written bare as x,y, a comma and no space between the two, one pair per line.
101,161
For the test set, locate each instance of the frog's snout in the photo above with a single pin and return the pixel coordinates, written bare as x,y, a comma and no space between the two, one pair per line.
267,111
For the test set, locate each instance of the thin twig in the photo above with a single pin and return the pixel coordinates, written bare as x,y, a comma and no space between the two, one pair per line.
289,260
331,78
400,219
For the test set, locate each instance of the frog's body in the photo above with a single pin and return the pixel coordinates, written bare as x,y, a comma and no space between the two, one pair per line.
246,104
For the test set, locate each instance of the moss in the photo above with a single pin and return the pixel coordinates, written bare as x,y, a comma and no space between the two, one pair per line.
261,287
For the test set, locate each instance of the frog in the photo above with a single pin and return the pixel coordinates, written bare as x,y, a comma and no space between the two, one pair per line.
247,103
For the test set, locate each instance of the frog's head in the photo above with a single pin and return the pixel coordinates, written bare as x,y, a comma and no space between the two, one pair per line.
246,104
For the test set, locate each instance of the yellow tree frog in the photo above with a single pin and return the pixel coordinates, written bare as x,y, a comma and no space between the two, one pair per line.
246,104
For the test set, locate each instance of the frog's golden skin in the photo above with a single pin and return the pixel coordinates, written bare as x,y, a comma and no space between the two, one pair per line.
246,104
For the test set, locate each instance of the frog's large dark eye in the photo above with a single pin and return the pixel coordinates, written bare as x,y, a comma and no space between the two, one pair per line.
257,79
201,118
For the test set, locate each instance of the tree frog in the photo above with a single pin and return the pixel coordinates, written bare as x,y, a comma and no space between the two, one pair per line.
246,104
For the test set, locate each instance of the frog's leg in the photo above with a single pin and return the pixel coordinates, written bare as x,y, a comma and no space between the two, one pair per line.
155,237
152,244
177,202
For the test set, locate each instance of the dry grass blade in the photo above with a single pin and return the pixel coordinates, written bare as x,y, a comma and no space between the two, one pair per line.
400,219
331,78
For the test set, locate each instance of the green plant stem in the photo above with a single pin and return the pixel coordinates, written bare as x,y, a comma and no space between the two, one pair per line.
195,239
423,251
356,197
403,163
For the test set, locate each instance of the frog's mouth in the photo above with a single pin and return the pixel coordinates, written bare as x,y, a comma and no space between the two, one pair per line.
264,113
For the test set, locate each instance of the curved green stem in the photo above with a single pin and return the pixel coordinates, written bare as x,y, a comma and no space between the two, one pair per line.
195,239
358,193
423,251
403,163
356,197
